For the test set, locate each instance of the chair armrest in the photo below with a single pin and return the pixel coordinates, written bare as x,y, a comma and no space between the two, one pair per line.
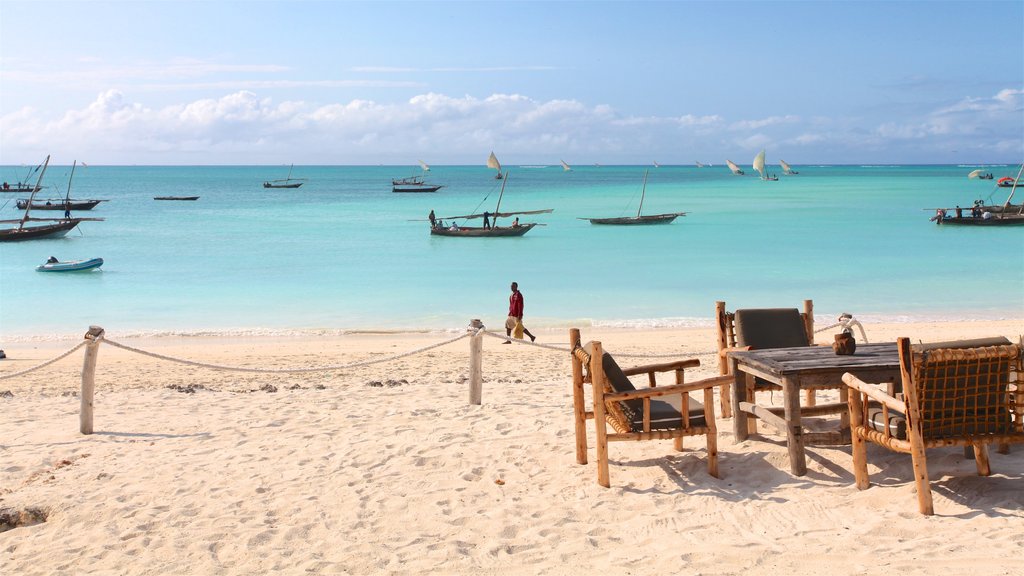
666,390
874,392
665,367
724,352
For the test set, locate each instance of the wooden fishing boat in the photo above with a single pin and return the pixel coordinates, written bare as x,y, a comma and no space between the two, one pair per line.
70,266
19,187
53,227
176,198
638,219
1007,182
413,184
486,231
288,182
787,169
58,204
982,215
735,169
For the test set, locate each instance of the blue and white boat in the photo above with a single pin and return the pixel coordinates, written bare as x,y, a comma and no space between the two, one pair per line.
70,266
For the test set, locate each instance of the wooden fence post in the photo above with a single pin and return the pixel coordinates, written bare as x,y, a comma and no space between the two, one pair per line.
92,350
476,347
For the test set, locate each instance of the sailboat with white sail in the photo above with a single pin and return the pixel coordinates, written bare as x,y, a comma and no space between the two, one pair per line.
490,228
735,169
787,169
565,167
492,162
759,166
424,166
639,218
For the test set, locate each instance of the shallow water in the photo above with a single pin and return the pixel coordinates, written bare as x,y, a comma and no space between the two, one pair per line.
345,253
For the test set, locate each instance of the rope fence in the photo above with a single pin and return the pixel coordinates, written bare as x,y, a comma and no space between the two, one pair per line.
475,332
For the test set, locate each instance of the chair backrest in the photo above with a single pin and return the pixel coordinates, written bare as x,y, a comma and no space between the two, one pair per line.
762,328
617,381
961,392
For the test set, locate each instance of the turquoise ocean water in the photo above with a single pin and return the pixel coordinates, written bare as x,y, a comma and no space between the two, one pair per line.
345,253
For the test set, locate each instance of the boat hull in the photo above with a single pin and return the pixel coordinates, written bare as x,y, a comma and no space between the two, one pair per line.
634,220
60,205
72,266
57,230
269,185
415,189
1000,220
180,198
478,232
21,189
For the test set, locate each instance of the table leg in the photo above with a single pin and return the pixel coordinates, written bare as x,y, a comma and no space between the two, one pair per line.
739,417
794,425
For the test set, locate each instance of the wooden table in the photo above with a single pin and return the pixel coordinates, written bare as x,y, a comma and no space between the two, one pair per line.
801,368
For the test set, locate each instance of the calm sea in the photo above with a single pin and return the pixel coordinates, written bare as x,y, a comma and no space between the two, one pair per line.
344,253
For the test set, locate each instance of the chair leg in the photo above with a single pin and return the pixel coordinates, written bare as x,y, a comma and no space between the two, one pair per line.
809,398
924,490
859,446
713,454
981,459
677,443
603,477
725,397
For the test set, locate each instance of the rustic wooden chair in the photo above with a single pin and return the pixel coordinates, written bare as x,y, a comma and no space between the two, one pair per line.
654,413
950,397
760,328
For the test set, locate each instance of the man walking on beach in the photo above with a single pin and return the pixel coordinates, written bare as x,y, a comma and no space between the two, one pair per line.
515,314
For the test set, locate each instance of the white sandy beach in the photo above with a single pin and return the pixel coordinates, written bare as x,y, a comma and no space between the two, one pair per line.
332,475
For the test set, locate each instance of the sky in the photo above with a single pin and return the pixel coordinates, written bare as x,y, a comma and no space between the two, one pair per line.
364,83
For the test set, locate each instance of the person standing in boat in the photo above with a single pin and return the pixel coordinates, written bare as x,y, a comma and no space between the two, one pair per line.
515,314
433,219
487,220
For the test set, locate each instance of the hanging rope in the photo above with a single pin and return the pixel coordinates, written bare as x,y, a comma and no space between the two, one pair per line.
328,368
44,364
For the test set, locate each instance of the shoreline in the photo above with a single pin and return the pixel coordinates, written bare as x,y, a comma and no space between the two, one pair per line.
536,324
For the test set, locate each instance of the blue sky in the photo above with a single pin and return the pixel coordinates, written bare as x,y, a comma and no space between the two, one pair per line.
268,82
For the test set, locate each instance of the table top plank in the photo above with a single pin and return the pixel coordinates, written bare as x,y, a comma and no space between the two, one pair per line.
811,359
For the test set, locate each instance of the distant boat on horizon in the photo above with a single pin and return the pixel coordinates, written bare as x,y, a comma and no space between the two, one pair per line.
759,166
735,169
565,166
786,168
288,182
492,162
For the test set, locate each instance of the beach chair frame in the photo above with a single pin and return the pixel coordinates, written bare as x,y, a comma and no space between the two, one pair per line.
607,406
950,397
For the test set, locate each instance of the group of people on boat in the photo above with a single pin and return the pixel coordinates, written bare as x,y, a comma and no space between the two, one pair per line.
437,223
977,211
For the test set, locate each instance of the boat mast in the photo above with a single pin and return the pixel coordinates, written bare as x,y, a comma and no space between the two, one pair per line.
290,172
67,197
642,192
500,194
28,206
1014,189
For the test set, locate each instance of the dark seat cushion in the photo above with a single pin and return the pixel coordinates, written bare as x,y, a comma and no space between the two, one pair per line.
897,422
665,410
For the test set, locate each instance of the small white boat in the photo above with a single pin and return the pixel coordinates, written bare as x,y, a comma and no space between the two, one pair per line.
70,266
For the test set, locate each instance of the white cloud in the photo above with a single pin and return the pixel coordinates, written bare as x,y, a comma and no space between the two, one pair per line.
244,127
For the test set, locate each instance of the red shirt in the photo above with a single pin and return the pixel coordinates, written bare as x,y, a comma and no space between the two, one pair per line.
515,304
